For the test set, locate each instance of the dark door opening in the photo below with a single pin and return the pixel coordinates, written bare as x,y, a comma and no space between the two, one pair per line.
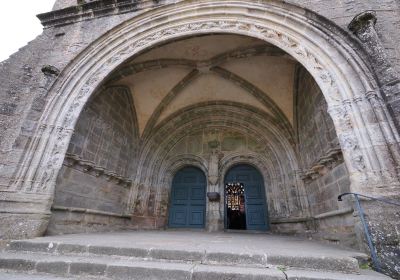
235,206
245,201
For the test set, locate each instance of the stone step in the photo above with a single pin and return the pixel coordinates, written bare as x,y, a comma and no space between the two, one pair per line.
111,267
325,263
9,275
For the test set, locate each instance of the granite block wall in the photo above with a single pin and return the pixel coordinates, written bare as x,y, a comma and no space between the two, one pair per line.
323,170
95,175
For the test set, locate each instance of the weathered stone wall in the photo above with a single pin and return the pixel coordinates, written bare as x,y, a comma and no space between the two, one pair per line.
315,130
25,81
323,170
100,160
385,233
342,12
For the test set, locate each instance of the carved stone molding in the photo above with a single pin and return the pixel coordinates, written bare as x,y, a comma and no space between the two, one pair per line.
90,10
363,26
91,168
332,158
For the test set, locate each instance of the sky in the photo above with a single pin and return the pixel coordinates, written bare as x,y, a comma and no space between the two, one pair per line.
19,25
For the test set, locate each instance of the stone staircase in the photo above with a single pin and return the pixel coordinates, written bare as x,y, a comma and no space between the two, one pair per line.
48,260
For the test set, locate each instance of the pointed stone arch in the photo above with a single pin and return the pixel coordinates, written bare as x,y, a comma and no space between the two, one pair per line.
365,129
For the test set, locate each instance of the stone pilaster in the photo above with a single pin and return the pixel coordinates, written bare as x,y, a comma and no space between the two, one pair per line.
363,26
214,214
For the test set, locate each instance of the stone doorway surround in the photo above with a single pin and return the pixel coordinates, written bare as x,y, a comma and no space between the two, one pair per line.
368,138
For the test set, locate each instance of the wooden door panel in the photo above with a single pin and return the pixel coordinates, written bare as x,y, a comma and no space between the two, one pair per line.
188,199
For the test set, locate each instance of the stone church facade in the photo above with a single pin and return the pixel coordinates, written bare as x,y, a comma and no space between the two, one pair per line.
118,106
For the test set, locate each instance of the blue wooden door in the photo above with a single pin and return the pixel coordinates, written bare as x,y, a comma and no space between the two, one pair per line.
255,202
188,199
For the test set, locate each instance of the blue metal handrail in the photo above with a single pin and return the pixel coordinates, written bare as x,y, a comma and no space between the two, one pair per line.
371,246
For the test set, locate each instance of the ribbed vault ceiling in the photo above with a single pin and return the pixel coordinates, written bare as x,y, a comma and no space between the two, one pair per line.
173,76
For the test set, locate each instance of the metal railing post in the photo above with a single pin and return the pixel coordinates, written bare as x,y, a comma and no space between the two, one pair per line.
374,255
367,233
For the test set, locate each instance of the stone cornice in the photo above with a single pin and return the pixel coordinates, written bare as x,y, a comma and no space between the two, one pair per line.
332,158
91,168
93,9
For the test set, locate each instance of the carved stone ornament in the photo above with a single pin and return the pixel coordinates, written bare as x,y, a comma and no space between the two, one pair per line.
213,168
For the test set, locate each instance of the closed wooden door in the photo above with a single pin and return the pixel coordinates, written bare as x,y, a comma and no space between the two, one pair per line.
188,199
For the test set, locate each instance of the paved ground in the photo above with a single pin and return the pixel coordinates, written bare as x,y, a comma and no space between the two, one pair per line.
210,242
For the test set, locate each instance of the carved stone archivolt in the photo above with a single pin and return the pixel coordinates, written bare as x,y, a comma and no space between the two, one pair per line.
217,131
323,50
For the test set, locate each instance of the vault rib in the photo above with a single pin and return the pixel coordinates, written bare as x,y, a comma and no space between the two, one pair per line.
255,92
131,69
172,94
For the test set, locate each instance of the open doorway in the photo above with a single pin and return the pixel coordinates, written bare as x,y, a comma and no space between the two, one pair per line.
245,202
235,206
